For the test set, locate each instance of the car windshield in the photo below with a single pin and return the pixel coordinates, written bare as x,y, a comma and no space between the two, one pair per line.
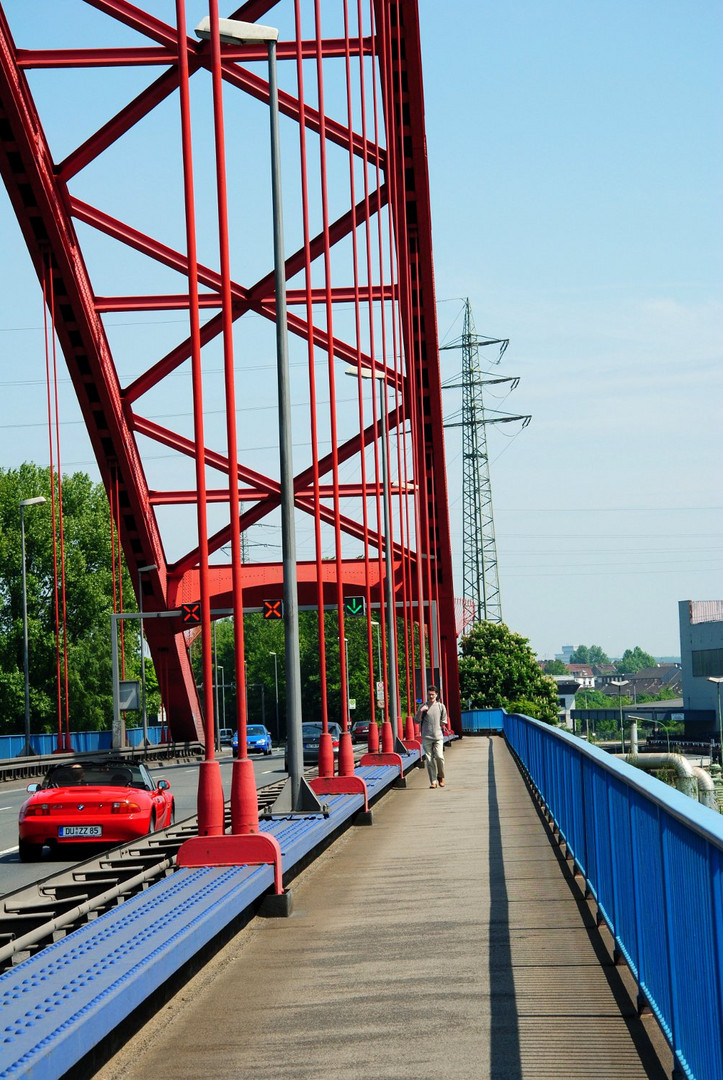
255,729
94,773
309,730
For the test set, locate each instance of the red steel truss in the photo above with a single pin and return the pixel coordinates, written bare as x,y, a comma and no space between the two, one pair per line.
360,295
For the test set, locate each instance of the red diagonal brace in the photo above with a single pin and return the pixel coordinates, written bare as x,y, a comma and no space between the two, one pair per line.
247,849
340,785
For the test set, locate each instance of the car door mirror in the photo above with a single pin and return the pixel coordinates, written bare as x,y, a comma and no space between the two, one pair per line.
33,787
163,785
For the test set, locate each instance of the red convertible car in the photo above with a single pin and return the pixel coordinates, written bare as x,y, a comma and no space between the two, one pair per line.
108,801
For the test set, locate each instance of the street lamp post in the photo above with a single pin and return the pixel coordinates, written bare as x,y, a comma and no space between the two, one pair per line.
378,629
718,680
620,683
143,570
37,501
276,691
348,691
220,667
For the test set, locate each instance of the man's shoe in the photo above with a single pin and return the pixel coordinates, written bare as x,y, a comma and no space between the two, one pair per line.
433,784
441,782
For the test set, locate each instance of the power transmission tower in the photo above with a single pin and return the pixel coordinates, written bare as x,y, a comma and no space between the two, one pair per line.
481,584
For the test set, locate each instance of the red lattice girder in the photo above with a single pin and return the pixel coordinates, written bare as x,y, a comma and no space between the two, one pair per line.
401,288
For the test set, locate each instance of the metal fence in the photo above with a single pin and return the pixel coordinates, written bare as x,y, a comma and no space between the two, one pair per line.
653,861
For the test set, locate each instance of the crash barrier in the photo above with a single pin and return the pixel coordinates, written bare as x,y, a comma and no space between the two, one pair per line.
60,1004
32,767
475,721
652,859
12,746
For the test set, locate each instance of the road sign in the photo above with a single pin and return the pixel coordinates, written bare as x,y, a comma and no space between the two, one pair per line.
352,703
355,605
191,614
273,609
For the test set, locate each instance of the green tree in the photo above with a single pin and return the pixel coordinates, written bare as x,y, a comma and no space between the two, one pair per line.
555,667
497,669
589,654
635,660
88,603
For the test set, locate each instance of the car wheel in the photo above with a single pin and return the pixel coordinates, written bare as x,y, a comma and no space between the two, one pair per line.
172,820
29,852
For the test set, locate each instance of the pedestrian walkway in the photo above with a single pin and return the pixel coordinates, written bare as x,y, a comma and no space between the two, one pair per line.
445,941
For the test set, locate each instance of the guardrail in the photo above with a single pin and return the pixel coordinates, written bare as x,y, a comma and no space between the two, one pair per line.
653,862
32,767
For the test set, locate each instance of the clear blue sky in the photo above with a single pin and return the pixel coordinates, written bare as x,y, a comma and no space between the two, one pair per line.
575,162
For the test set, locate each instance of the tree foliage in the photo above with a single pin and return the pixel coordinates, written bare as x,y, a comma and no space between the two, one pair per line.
264,637
497,669
635,660
88,603
555,667
589,654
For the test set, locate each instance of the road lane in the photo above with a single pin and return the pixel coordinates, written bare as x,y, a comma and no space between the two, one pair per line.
183,778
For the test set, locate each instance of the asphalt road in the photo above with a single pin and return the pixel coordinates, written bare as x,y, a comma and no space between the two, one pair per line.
183,779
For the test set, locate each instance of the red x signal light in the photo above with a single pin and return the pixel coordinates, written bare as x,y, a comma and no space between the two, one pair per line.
191,614
273,609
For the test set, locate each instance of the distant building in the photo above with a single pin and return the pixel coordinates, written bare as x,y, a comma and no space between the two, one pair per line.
701,651
567,651
584,675
566,690
604,673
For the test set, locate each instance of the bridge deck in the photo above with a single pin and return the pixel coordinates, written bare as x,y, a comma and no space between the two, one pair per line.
448,941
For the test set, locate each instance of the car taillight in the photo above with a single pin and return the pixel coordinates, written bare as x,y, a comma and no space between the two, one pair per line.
334,742
124,808
39,810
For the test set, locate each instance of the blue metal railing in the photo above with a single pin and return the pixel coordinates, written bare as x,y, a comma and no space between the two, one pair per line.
653,861
12,746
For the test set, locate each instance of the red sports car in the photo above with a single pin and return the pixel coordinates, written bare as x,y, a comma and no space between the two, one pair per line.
107,801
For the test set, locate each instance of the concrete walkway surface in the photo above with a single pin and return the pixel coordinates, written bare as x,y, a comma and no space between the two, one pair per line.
445,941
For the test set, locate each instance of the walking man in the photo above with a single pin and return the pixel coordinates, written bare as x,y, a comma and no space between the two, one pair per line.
431,717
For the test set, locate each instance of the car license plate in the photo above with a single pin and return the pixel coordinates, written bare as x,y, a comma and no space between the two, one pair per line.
80,830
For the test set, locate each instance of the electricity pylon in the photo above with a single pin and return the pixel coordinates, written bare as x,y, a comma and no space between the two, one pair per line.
481,583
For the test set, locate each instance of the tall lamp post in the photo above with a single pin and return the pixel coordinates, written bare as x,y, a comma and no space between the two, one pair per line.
718,680
348,690
143,570
378,629
36,501
620,683
276,690
222,718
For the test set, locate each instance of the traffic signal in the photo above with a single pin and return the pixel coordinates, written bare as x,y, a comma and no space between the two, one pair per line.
191,614
355,605
273,609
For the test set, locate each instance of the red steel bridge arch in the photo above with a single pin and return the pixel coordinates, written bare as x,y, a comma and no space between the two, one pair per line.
382,216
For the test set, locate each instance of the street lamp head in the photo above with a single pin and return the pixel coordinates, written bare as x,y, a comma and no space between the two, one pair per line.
36,501
715,679
365,372
147,569
235,32
619,682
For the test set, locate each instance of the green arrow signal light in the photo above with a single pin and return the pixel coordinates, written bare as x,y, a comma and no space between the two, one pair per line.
355,605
